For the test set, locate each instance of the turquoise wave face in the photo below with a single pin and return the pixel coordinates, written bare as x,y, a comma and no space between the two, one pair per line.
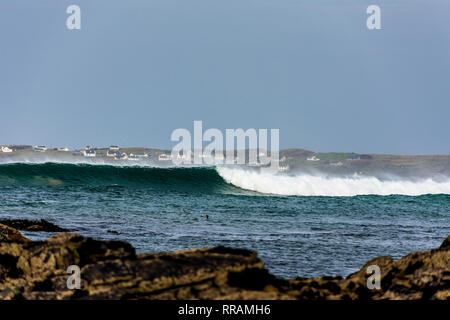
199,179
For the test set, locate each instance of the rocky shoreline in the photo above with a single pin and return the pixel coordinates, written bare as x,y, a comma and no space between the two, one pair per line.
113,270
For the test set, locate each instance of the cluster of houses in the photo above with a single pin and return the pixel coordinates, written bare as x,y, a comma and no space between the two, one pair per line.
90,152
189,156
114,152
6,149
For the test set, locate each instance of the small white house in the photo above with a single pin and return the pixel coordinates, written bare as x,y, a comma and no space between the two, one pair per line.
63,149
113,152
6,149
89,152
40,148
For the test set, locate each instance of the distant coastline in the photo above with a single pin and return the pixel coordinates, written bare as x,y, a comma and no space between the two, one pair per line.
291,160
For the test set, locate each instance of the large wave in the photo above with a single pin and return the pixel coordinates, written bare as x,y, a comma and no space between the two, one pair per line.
317,185
194,179
206,180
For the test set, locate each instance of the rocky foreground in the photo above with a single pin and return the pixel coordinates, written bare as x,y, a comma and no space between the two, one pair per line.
112,270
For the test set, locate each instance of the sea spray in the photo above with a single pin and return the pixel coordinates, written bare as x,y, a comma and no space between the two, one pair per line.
319,185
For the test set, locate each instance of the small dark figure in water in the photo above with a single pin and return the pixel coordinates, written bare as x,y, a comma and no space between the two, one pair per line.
207,217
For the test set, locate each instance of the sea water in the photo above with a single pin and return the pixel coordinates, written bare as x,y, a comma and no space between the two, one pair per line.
300,225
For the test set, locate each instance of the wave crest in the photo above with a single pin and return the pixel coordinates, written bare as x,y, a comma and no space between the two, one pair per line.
206,180
315,185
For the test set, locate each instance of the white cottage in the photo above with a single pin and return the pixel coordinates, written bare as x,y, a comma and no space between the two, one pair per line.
6,149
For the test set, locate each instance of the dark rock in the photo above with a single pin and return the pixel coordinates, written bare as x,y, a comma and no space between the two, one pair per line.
10,234
32,225
446,244
112,270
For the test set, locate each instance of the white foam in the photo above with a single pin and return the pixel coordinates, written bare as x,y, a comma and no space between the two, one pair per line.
316,185
145,163
77,161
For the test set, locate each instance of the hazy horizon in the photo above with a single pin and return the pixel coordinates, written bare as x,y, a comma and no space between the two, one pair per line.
137,70
82,147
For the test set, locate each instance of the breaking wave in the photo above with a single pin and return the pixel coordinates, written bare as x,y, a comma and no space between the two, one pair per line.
206,180
316,185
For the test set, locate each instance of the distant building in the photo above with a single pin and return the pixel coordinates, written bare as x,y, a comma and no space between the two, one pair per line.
6,149
165,157
313,158
113,152
121,156
365,157
89,152
63,149
40,148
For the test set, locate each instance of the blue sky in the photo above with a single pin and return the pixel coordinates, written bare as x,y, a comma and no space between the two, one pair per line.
137,70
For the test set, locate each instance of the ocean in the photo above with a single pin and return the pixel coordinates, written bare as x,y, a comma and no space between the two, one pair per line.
300,225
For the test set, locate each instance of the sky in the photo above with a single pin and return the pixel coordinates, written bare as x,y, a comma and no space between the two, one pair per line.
139,69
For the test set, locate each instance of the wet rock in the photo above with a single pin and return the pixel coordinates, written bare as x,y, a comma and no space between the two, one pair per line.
10,234
112,270
32,225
